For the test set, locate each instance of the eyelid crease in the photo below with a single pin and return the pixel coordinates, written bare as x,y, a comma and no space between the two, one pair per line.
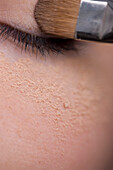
36,43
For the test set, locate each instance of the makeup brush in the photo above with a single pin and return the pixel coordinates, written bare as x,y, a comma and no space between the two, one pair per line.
75,19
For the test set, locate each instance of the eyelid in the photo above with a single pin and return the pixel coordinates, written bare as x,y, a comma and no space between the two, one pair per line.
19,14
31,41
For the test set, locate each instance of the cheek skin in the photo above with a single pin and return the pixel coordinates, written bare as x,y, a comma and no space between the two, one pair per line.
54,115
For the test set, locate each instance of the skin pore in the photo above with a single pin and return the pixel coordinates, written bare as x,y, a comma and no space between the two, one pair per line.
56,111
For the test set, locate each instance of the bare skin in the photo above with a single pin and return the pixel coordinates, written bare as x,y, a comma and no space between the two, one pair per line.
56,113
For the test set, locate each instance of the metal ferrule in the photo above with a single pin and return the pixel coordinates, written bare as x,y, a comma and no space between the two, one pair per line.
95,21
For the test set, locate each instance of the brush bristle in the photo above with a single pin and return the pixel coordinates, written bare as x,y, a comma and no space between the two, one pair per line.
57,17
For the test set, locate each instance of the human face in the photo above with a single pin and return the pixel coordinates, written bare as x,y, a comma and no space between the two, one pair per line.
56,110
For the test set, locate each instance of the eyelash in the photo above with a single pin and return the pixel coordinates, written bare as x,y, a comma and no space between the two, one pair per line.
31,42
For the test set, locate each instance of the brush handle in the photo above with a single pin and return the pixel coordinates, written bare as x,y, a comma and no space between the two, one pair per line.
110,2
95,21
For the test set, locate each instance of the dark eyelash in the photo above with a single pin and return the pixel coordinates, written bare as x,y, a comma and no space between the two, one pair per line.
32,42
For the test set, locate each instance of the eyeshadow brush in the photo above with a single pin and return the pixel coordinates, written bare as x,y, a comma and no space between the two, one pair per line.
75,19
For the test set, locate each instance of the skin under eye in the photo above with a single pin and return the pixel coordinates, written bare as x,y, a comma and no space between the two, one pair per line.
35,43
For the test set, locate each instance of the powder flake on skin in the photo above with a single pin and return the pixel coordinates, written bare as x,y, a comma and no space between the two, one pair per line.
66,104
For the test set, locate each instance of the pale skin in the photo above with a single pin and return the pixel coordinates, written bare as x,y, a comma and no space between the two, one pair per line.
56,112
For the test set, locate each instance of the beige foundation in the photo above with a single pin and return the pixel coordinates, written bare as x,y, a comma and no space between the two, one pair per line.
56,112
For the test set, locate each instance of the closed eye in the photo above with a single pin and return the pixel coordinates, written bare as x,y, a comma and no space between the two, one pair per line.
36,43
